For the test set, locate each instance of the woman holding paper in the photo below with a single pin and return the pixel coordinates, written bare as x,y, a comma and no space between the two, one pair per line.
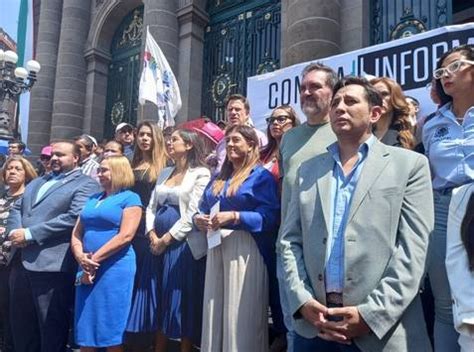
243,198
169,226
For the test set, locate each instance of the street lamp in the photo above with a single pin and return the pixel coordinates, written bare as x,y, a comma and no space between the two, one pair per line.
13,81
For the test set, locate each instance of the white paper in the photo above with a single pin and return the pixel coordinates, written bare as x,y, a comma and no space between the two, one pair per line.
214,237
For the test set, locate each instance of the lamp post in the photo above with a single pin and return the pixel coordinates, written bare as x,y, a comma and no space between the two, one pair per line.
13,81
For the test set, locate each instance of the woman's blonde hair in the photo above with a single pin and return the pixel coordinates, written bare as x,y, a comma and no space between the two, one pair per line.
30,172
121,172
158,151
251,159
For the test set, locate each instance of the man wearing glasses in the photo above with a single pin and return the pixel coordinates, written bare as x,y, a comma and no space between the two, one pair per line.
124,133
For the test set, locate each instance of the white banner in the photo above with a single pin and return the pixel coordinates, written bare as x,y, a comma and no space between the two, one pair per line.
410,61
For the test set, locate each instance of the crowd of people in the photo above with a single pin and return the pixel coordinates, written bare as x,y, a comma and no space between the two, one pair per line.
335,234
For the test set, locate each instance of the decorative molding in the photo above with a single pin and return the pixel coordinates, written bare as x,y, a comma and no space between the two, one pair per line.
441,13
408,26
133,33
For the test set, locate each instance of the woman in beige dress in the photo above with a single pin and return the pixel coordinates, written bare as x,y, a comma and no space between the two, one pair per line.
236,285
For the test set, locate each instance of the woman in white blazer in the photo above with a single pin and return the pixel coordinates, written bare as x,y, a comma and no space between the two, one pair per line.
460,263
169,225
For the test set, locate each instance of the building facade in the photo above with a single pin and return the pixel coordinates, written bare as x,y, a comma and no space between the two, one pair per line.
90,50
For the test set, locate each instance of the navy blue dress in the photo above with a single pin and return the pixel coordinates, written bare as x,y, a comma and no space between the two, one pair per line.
144,303
181,288
102,309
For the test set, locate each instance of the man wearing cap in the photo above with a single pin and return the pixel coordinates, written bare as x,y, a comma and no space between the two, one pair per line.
124,133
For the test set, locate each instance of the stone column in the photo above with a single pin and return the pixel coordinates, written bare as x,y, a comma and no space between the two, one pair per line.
161,18
312,30
96,92
42,94
70,88
192,20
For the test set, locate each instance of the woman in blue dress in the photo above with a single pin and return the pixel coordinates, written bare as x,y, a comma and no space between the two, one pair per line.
101,245
169,224
242,199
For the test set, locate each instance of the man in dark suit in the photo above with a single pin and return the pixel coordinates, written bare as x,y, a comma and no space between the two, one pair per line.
42,278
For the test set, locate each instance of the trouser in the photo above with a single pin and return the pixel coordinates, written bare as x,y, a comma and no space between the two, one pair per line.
40,308
317,344
6,344
445,335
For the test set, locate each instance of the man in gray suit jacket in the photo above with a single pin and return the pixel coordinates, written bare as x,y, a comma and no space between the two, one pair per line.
354,240
42,278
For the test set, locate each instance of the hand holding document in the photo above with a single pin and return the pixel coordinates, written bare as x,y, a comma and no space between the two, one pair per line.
214,236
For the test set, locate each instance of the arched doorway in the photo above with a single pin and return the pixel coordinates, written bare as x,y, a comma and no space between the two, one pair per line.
124,73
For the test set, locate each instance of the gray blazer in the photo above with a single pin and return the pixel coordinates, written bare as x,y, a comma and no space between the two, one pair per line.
51,219
194,182
386,241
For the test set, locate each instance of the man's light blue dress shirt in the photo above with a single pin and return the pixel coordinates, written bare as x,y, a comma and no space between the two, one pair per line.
342,191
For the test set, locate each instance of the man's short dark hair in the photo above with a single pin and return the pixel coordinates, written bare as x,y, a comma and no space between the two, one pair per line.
241,98
21,145
75,148
371,94
331,76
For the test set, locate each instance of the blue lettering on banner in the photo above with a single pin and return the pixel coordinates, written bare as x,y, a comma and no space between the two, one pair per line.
412,64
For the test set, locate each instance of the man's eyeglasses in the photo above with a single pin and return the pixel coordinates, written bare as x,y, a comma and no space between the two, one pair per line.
126,130
45,157
279,120
451,68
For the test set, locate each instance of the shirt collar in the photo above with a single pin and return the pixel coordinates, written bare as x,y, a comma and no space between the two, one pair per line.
363,148
447,111
59,176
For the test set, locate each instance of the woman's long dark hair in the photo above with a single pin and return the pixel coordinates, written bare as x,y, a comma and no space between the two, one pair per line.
158,153
195,156
467,232
468,51
272,145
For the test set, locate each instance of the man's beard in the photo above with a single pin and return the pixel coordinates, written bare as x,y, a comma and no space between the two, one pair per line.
312,108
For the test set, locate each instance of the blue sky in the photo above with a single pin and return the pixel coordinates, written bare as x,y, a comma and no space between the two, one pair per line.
9,16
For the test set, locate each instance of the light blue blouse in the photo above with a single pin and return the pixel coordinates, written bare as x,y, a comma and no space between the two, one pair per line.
450,148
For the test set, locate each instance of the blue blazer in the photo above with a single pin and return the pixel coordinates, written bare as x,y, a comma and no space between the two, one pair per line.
51,220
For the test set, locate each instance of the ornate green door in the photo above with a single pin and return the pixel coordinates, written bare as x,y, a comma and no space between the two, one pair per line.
242,39
394,19
124,73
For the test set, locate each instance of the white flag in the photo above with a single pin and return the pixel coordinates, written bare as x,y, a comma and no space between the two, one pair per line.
158,83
